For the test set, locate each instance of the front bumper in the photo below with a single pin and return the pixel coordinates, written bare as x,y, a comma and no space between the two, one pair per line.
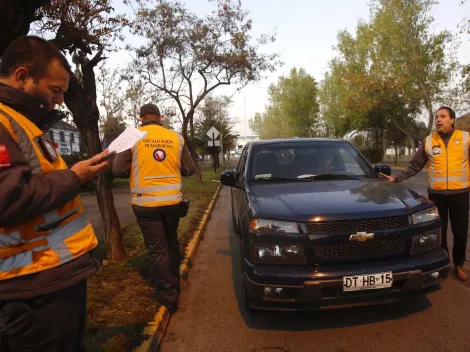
322,287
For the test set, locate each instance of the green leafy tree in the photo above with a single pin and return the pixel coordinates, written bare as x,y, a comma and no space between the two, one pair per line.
214,112
418,58
465,68
256,123
395,66
337,117
292,109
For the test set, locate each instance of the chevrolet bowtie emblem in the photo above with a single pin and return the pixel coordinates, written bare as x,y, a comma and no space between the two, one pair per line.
361,236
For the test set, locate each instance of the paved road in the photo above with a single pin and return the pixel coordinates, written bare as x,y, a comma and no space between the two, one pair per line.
214,319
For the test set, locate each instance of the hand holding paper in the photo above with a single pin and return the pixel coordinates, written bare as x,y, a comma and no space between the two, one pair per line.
126,140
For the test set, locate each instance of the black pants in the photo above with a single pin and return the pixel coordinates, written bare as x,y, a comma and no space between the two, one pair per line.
159,226
54,322
455,207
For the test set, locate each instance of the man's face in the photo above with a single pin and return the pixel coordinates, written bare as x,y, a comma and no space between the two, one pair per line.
50,87
443,121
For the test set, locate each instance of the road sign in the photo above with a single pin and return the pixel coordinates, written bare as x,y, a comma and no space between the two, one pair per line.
211,143
212,133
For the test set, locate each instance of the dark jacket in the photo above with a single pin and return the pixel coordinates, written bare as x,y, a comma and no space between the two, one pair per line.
24,195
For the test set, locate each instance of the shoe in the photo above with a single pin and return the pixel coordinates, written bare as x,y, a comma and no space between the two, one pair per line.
171,306
461,274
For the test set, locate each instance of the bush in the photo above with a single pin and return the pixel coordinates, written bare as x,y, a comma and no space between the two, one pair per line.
374,155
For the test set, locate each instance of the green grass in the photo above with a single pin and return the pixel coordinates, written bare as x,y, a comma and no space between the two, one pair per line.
120,298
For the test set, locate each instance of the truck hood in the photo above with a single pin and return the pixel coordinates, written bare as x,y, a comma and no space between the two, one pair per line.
333,199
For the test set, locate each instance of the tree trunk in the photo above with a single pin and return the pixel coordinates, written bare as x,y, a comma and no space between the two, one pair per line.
85,114
428,103
189,142
111,224
396,153
413,146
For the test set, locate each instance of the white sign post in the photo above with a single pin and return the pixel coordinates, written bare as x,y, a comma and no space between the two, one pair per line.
211,143
213,133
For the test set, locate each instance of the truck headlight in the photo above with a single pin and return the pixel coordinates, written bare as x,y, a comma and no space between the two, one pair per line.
263,226
424,216
427,241
268,253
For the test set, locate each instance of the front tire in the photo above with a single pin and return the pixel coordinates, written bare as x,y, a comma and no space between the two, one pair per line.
248,301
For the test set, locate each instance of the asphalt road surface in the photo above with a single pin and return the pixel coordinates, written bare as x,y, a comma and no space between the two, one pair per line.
213,317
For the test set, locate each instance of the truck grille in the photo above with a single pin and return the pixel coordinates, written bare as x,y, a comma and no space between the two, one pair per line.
360,250
357,225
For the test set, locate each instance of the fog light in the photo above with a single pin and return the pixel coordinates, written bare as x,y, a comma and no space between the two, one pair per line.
273,291
434,275
427,241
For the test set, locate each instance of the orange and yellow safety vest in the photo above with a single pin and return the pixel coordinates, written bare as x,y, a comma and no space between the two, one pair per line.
155,177
448,167
51,239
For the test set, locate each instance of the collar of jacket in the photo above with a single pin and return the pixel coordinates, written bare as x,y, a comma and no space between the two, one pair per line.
33,108
151,123
445,135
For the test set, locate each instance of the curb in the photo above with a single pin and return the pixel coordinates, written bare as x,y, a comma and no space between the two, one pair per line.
157,327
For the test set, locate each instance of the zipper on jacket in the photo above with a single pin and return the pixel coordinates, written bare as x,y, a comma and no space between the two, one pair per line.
447,166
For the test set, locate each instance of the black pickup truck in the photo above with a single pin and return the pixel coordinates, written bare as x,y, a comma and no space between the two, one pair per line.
320,228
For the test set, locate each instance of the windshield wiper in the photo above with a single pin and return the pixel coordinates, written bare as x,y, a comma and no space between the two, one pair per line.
328,177
277,178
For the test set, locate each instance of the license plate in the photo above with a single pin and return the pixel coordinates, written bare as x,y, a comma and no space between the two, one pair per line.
367,282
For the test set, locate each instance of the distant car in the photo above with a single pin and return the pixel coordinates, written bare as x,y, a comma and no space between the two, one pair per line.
321,229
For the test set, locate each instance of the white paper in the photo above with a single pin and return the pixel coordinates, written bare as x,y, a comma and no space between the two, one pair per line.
126,139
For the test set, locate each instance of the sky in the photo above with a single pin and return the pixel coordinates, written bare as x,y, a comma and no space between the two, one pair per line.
306,32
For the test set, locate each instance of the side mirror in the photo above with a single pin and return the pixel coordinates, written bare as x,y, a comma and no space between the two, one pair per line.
383,168
229,178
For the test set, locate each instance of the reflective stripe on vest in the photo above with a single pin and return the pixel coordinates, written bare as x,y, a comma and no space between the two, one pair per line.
448,168
15,253
154,189
47,240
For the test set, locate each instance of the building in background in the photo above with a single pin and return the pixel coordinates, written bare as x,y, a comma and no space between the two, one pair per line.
242,141
67,138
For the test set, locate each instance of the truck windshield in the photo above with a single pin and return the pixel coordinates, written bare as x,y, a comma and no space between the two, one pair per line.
316,160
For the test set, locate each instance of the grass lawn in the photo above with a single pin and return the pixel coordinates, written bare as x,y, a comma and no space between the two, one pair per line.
120,298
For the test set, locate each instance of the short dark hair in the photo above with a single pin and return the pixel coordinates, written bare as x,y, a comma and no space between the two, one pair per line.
34,53
449,110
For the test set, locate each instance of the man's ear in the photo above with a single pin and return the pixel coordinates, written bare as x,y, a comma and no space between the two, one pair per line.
20,77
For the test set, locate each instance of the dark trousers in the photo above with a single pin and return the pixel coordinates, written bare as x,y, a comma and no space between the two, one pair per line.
454,207
159,226
54,322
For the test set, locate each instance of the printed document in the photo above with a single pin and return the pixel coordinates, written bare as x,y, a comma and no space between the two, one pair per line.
126,139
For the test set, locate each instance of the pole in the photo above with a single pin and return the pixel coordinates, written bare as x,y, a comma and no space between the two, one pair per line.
221,149
244,107
215,155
